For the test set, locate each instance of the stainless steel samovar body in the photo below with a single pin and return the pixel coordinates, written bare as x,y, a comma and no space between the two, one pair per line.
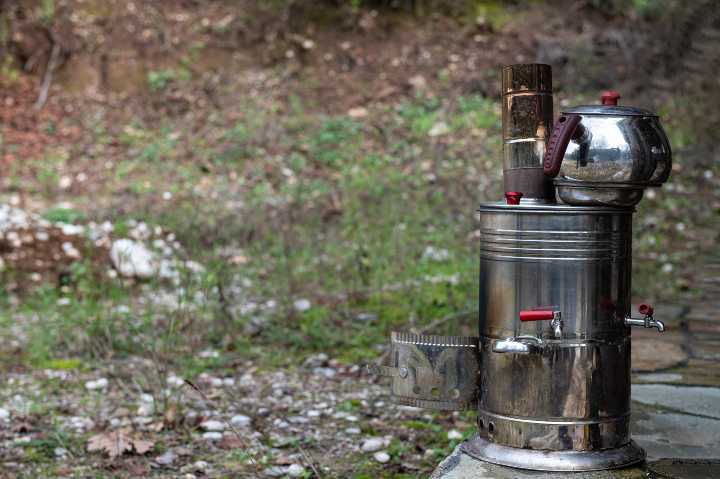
560,385
549,372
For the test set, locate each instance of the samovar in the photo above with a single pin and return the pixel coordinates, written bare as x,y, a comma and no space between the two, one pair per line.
549,373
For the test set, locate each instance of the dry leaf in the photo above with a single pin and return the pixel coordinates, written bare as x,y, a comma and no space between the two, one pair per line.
116,443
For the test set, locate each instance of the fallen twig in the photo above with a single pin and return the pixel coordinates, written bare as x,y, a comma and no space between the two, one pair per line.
47,77
309,460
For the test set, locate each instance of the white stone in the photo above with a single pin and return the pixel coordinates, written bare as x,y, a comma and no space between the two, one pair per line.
211,425
373,444
101,383
4,414
454,434
436,254
166,459
240,420
381,457
439,128
302,305
295,470
353,431
212,436
132,258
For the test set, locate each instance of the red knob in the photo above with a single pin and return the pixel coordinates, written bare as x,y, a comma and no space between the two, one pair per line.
610,97
536,315
513,197
646,309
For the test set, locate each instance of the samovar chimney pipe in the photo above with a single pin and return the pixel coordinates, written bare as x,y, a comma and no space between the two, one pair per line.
527,116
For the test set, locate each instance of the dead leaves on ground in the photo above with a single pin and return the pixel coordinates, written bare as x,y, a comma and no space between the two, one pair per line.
116,443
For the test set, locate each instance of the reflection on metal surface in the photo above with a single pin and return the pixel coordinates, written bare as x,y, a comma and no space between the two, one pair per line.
558,392
436,372
622,456
527,113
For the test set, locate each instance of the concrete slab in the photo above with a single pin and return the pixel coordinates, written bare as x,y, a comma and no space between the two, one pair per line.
700,401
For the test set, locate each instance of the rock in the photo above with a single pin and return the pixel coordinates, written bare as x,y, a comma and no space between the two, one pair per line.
454,434
132,259
213,425
147,405
700,401
60,452
381,457
275,471
328,373
436,254
652,355
357,112
166,459
373,444
316,361
240,420
366,317
302,305
352,431
418,83
212,436
438,129
256,325
295,470
4,414
101,383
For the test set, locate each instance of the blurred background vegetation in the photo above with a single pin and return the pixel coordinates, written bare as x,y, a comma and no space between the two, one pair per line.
312,165
323,151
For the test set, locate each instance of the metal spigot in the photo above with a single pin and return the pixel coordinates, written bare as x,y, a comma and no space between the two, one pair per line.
555,318
647,320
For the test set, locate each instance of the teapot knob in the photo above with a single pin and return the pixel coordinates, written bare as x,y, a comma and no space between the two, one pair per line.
610,97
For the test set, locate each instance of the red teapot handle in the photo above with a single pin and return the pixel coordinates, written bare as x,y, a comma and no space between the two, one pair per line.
565,128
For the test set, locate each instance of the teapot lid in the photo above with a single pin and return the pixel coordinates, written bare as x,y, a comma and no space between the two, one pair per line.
609,107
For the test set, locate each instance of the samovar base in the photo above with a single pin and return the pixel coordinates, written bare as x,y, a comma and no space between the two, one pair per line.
540,460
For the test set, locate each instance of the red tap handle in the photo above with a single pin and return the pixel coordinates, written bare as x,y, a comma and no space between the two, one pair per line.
536,315
610,97
562,132
646,309
513,197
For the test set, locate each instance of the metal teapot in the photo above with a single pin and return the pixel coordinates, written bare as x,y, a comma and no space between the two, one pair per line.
607,154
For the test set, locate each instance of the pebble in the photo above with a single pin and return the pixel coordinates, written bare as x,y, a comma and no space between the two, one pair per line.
302,305
240,420
352,430
381,457
295,470
166,459
101,383
328,373
212,436
373,444
4,414
275,471
60,452
439,128
213,425
454,434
